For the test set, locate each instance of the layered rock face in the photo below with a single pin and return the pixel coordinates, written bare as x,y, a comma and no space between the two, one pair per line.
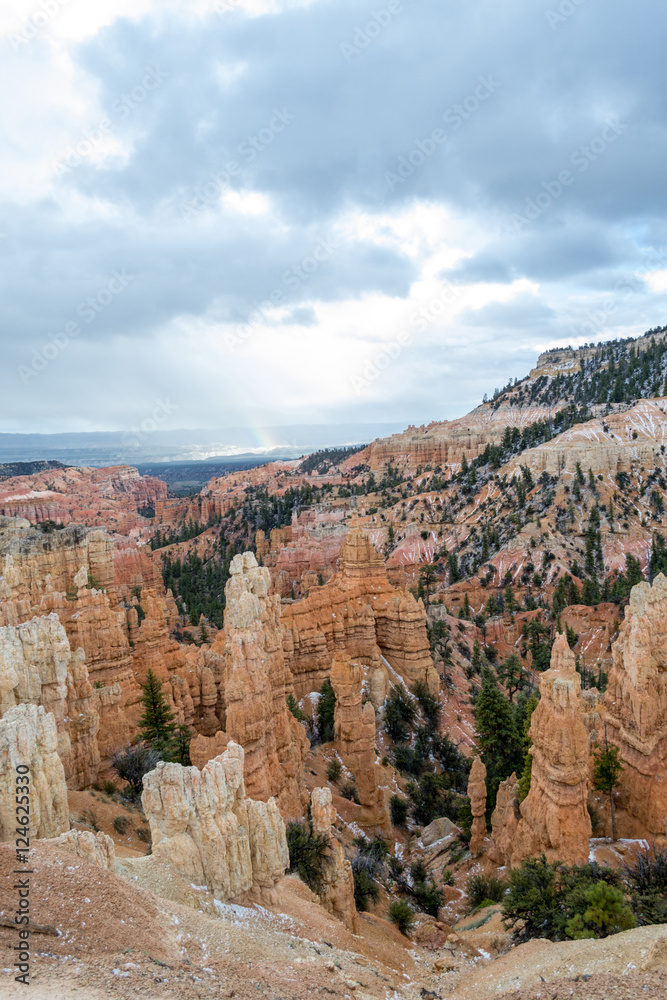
554,815
110,497
37,667
203,825
477,796
28,736
635,709
337,894
360,614
354,732
504,821
96,848
255,687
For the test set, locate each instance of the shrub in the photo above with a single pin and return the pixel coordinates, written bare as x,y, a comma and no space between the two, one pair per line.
334,770
396,868
418,871
398,810
110,787
326,706
547,897
427,797
367,866
144,834
293,706
307,853
407,760
399,714
428,704
349,791
402,914
447,876
428,896
486,889
132,763
121,824
89,817
646,879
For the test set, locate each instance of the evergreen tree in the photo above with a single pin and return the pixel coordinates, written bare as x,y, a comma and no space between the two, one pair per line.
500,744
325,712
180,749
512,675
156,725
606,774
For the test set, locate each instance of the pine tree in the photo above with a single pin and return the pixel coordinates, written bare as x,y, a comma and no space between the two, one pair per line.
606,774
499,741
157,726
180,749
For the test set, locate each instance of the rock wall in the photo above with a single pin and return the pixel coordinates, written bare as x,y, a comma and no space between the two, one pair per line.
635,709
96,848
203,825
337,894
354,733
359,614
477,796
554,814
37,667
504,821
28,736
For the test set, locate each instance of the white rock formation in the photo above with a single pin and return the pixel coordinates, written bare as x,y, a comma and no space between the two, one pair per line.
203,825
28,736
97,848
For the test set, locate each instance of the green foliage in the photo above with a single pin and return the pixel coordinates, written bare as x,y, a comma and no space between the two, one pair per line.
132,763
398,810
198,585
428,897
334,770
401,913
293,706
646,877
607,913
658,556
428,704
428,798
109,787
179,752
544,900
447,876
349,791
399,714
156,725
367,867
485,889
512,675
121,824
500,744
606,769
326,706
307,853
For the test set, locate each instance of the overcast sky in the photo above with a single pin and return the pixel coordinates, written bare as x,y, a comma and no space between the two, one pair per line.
272,212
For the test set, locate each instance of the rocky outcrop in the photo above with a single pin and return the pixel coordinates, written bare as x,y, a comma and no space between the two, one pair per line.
354,733
203,825
337,893
28,737
96,848
359,614
477,796
504,821
554,815
635,710
37,667
255,687
205,748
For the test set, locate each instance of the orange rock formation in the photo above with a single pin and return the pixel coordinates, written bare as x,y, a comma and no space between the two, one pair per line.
477,796
504,821
554,815
337,893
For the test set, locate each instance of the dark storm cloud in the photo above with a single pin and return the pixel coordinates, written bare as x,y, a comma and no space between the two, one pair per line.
546,130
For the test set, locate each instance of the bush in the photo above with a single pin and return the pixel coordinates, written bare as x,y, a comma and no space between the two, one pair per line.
121,824
326,706
396,868
447,876
402,914
399,714
89,817
334,770
485,889
349,791
428,704
307,853
367,866
133,763
144,834
547,898
428,896
110,787
418,871
408,761
398,810
646,879
428,798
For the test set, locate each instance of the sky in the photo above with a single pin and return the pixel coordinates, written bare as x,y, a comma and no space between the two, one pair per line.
221,213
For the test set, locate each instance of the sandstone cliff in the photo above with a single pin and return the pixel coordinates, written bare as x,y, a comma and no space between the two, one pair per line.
203,825
28,737
554,815
504,821
635,708
477,796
